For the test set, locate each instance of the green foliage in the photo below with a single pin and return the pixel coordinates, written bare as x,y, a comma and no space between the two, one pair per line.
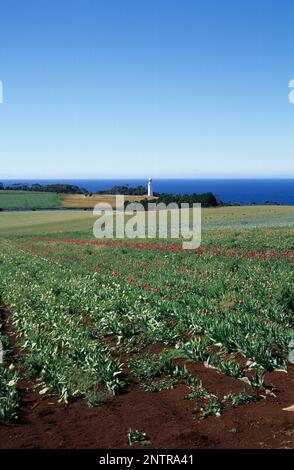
137,437
197,393
125,189
9,396
95,397
240,398
78,308
233,430
28,200
213,407
164,384
147,366
257,379
286,300
205,199
228,366
53,188
197,348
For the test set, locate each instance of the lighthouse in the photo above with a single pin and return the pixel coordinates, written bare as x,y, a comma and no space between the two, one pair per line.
150,187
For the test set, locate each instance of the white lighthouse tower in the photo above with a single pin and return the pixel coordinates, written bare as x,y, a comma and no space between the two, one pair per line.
150,187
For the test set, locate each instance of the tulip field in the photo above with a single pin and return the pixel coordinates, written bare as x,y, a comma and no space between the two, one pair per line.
190,348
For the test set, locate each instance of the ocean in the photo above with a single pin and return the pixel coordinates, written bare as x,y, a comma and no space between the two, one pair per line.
241,191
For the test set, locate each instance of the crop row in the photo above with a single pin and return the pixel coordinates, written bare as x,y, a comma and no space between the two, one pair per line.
74,317
9,396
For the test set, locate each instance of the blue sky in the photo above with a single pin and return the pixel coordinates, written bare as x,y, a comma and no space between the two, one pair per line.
132,88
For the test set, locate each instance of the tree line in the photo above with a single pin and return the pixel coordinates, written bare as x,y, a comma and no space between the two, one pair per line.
125,189
205,199
47,188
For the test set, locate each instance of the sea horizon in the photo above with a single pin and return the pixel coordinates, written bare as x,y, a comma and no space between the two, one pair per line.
242,191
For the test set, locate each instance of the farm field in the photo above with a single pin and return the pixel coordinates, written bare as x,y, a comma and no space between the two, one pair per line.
82,201
10,199
221,218
28,200
118,342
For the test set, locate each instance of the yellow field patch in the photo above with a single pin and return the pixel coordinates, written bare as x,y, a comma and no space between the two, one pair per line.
81,200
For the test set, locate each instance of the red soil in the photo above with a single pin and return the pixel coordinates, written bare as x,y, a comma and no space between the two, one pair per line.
165,416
